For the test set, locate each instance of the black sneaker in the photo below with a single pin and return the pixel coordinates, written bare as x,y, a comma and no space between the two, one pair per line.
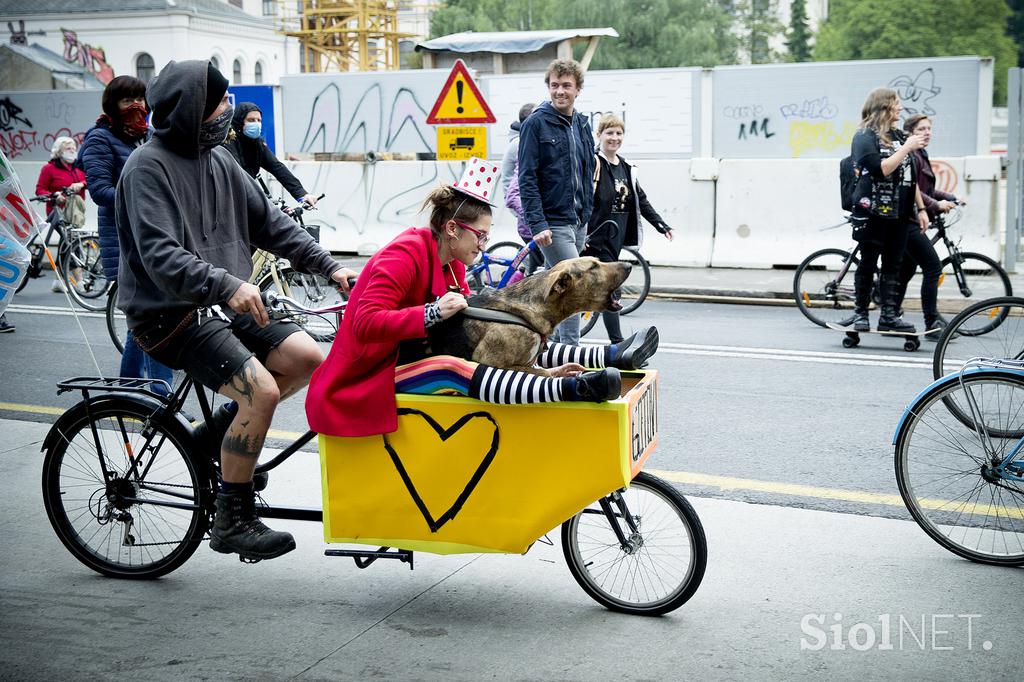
936,328
5,326
237,530
597,387
633,352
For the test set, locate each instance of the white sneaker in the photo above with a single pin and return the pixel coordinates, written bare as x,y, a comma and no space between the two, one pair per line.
57,287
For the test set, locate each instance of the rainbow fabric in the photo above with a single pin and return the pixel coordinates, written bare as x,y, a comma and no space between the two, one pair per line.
438,375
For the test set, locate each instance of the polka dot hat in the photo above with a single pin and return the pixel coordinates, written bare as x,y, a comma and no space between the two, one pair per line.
479,180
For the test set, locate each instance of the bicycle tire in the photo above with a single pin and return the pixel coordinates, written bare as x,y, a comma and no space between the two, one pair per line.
99,530
694,544
588,321
480,277
945,485
635,290
82,271
313,291
993,328
117,324
985,279
820,298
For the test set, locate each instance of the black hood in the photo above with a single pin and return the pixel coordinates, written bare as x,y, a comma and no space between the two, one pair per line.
177,96
241,111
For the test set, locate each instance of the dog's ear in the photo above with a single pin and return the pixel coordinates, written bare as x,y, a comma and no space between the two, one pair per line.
561,285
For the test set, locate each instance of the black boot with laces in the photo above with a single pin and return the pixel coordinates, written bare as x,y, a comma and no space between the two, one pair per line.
237,530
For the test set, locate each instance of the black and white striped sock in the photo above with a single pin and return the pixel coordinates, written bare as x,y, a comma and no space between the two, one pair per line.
560,353
509,387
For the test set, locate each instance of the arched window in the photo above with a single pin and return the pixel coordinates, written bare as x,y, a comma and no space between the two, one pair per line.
216,62
259,72
144,67
236,72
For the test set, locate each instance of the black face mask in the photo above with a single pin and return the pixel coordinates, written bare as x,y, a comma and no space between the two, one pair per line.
213,133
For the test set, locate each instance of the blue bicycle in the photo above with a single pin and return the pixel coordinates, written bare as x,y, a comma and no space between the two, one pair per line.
960,461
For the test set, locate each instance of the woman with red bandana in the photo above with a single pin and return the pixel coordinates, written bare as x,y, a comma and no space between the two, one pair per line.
118,132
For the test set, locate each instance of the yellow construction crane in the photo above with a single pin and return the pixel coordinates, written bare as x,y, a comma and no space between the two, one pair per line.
343,35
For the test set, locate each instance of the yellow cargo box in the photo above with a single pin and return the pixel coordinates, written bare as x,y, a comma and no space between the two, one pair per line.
460,475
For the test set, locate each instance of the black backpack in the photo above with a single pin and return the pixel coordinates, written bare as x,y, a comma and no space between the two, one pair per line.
848,176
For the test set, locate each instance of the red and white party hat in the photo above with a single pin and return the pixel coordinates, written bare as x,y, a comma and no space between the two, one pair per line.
479,180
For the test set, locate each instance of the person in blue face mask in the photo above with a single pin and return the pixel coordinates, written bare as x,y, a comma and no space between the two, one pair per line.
246,144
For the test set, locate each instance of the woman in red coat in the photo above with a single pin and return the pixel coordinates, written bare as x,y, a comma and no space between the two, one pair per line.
59,174
411,284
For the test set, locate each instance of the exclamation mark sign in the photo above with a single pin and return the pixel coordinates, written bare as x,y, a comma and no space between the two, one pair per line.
459,84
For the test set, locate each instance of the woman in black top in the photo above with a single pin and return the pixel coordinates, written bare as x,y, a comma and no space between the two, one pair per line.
617,197
886,199
252,153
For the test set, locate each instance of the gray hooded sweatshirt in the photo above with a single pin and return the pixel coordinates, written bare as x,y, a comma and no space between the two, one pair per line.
187,218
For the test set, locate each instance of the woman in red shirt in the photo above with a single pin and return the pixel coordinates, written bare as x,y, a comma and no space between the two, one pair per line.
411,284
59,174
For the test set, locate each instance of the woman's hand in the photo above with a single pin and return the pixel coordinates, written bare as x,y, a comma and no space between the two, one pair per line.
570,369
247,301
946,206
915,142
668,232
451,303
77,187
923,221
61,199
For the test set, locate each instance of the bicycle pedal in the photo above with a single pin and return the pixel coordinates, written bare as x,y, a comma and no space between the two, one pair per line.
249,559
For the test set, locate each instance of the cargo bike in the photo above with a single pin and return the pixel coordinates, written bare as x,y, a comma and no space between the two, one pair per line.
129,489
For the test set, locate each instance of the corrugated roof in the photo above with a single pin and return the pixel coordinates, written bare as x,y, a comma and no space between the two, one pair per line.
510,42
208,8
72,75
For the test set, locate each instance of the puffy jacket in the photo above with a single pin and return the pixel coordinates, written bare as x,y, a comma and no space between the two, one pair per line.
103,155
556,168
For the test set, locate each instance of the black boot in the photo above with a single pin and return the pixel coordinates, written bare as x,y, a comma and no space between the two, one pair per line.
597,387
237,530
633,353
889,321
935,324
863,282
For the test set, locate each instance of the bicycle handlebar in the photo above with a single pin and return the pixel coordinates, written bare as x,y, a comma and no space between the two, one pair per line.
43,198
278,305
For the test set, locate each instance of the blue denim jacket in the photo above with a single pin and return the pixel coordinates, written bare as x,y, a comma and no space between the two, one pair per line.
556,169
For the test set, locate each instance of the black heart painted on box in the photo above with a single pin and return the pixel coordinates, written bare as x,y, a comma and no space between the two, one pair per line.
445,434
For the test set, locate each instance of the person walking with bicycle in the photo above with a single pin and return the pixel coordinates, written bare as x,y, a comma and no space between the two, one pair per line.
619,202
187,217
121,129
59,174
920,250
885,200
246,144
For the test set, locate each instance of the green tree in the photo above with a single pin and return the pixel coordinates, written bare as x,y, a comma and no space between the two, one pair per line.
1016,27
758,22
798,40
881,29
491,15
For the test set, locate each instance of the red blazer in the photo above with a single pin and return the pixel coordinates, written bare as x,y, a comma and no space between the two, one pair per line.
353,392
56,176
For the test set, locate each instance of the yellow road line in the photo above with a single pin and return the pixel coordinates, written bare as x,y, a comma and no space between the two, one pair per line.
37,409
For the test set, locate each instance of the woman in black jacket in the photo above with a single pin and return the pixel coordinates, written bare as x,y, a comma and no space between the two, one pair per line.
618,198
252,152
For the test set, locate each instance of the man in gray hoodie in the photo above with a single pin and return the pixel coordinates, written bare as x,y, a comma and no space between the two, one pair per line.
187,217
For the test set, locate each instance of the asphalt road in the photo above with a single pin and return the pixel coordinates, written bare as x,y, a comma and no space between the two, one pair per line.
756,404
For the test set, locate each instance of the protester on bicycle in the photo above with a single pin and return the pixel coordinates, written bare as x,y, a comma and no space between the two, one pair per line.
885,200
618,198
187,217
59,174
920,250
413,283
120,130
246,144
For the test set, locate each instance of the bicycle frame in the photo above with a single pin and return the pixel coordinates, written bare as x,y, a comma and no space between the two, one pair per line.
512,265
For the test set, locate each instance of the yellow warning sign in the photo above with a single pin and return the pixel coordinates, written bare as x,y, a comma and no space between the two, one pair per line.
460,100
459,143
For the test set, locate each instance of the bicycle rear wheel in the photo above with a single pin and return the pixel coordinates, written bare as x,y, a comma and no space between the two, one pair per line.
983,278
149,514
663,562
117,324
638,285
945,469
82,271
993,329
820,293
312,291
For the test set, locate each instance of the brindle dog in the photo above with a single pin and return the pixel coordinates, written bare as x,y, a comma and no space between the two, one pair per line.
542,301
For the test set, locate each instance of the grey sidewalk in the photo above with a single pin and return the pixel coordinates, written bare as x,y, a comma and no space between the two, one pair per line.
777,577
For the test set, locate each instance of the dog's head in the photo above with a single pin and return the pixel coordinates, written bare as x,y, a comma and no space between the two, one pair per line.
581,284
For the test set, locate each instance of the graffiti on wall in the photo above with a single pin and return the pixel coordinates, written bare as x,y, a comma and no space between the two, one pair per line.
31,122
916,92
946,179
94,59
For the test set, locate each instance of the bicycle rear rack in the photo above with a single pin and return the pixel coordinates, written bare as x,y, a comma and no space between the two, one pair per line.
112,385
365,557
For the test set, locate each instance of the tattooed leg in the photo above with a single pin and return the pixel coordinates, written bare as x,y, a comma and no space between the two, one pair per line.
257,395
292,363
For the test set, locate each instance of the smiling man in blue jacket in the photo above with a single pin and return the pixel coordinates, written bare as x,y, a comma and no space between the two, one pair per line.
556,171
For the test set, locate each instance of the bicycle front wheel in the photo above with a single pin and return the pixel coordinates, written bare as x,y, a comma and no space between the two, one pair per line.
487,272
993,329
312,291
982,278
82,271
143,518
638,285
662,562
823,287
946,466
117,324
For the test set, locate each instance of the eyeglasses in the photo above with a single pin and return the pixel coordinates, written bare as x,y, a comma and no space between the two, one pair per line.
481,237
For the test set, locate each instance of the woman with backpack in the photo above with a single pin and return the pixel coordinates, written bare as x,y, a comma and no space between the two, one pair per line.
920,250
886,199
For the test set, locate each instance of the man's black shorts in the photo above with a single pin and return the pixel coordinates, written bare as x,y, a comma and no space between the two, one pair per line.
209,348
